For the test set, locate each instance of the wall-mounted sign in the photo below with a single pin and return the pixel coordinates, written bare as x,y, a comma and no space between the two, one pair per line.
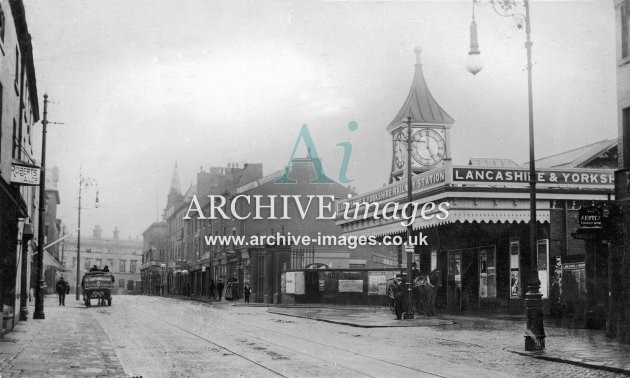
24,174
398,188
521,175
590,216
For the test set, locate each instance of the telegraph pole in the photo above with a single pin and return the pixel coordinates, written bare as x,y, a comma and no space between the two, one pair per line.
39,290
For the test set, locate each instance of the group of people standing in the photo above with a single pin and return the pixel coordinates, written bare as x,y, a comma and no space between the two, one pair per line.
230,291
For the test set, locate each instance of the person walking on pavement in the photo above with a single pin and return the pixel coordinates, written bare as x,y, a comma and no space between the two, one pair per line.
220,287
62,288
247,292
212,287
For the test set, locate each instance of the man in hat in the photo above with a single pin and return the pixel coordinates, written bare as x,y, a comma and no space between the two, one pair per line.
62,287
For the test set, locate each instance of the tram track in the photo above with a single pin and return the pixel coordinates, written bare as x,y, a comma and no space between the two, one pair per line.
235,328
265,341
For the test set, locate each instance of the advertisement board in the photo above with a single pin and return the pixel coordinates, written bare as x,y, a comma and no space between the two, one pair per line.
290,282
377,282
351,286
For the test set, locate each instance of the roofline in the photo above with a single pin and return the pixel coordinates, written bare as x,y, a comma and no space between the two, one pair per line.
577,148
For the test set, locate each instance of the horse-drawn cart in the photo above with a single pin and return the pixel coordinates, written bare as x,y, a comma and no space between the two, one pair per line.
424,290
97,285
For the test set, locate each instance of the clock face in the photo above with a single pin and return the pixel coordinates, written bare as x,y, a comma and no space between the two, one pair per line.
428,147
399,151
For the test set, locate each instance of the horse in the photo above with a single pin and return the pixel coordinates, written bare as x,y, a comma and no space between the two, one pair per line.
425,290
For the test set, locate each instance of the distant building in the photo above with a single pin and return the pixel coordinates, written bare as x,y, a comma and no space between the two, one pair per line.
53,267
123,257
154,250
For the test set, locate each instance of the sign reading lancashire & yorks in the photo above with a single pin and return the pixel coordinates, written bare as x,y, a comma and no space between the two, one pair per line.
521,175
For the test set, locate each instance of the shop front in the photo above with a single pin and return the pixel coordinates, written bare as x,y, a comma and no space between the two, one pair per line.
481,248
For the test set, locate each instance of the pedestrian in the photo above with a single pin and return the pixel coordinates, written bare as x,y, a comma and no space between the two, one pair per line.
62,288
398,296
235,292
220,287
228,290
247,292
212,287
94,269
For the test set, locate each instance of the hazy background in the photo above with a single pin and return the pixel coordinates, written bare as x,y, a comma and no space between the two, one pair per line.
140,85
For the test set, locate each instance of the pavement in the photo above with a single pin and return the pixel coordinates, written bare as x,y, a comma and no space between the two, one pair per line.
581,347
65,343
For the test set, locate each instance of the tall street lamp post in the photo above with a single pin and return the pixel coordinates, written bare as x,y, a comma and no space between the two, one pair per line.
83,181
39,294
409,246
535,332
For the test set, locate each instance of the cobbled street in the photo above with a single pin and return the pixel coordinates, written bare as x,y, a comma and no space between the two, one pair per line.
166,337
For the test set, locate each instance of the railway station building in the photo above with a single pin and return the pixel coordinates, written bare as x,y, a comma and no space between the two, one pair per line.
482,247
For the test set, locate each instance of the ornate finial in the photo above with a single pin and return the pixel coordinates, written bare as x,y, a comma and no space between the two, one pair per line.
418,50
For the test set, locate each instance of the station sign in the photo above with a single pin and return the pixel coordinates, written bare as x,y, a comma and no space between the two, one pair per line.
521,175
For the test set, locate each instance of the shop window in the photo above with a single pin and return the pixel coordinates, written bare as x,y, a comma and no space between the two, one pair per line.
624,13
17,71
16,141
515,274
487,272
2,24
543,266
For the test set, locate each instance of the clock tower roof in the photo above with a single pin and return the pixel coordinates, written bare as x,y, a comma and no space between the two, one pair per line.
420,104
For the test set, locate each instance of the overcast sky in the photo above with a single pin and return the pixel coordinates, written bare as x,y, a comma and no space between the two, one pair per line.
140,85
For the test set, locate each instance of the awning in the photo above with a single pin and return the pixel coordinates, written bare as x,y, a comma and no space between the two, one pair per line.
455,215
50,260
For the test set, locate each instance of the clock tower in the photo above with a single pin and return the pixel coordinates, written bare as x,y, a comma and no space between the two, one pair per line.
430,130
